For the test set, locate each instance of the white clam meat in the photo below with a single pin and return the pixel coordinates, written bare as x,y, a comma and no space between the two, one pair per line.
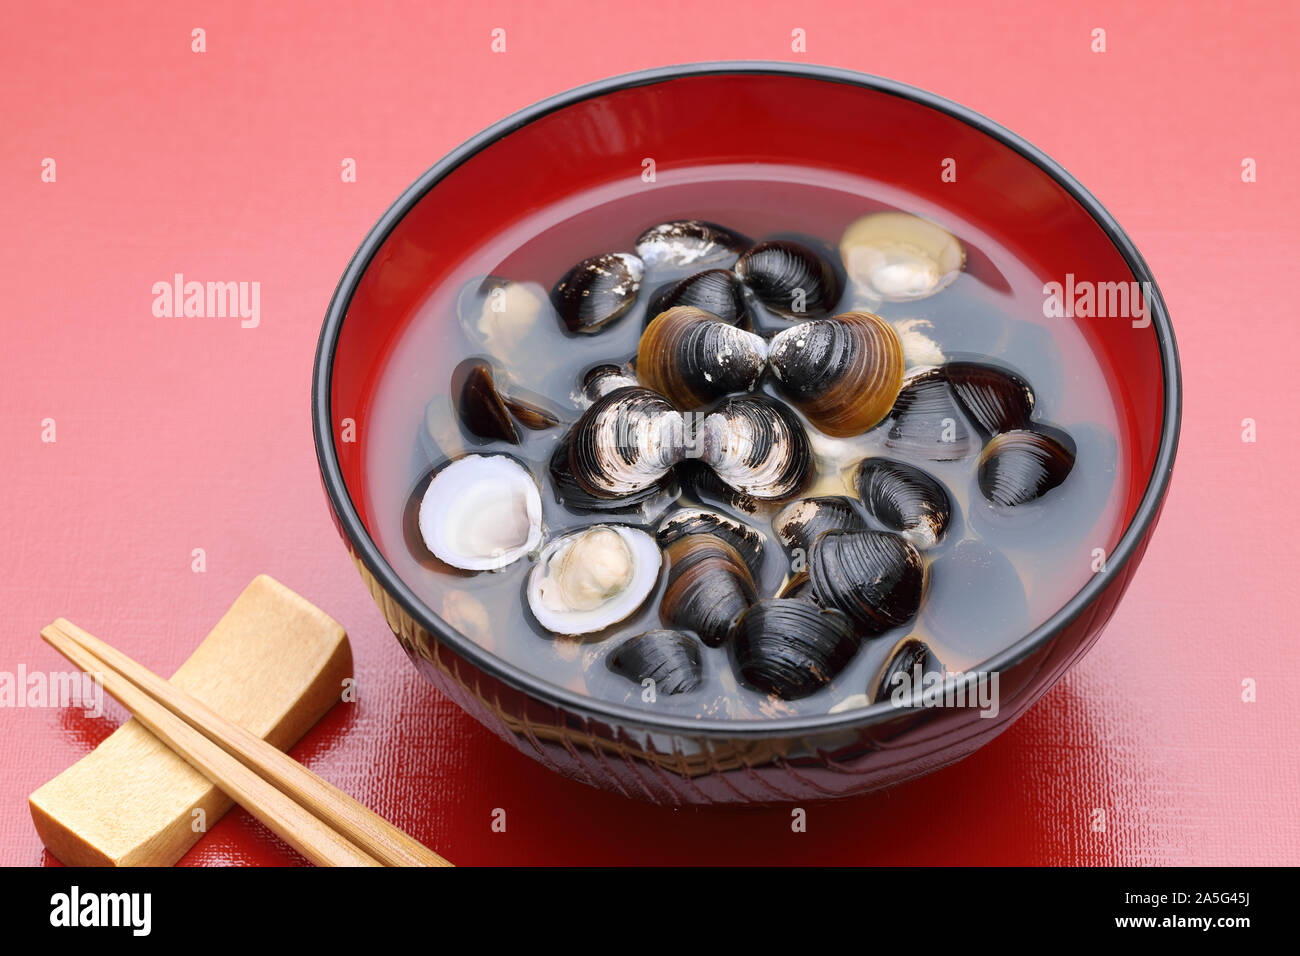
591,579
897,257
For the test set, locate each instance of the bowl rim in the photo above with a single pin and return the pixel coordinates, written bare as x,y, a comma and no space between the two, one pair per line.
589,707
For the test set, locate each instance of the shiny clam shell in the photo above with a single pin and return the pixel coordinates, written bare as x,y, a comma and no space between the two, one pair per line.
669,658
689,243
844,372
692,358
792,648
748,542
790,279
624,443
758,447
875,577
802,522
1019,466
904,499
597,291
716,291
709,587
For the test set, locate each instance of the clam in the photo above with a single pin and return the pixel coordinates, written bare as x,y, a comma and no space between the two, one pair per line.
802,522
709,587
624,443
717,291
875,577
758,447
747,541
798,588
700,482
844,373
646,502
909,666
792,648
670,659
790,279
481,513
689,243
898,257
996,398
485,413
928,421
591,579
603,379
905,499
691,357
501,316
1021,465
597,291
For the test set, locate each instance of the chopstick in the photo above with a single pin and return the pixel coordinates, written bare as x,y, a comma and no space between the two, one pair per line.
313,816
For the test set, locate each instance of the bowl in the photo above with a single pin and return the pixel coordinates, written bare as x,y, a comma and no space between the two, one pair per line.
715,113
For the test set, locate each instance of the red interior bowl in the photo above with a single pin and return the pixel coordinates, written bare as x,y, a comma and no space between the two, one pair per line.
727,113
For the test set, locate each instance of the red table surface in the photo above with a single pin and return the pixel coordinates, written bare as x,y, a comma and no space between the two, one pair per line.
175,434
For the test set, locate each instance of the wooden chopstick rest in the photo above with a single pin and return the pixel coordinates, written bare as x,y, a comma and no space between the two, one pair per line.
378,839
274,664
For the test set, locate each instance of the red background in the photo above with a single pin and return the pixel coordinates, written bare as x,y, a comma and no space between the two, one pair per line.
175,434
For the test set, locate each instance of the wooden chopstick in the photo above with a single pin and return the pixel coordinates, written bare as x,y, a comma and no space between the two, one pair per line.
320,821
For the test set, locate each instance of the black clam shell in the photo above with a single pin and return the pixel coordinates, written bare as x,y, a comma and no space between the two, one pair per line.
875,577
773,462
928,421
790,279
1019,466
606,456
597,291
709,587
747,541
905,499
699,482
480,408
996,398
692,358
802,522
669,658
912,657
792,648
687,243
570,493
716,291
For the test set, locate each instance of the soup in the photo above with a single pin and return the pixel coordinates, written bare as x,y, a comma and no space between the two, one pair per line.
1027,499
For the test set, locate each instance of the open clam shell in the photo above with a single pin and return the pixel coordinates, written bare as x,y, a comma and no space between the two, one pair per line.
624,443
591,579
899,257
481,513
758,447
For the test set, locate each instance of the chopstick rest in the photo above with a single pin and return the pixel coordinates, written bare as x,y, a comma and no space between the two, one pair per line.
274,664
